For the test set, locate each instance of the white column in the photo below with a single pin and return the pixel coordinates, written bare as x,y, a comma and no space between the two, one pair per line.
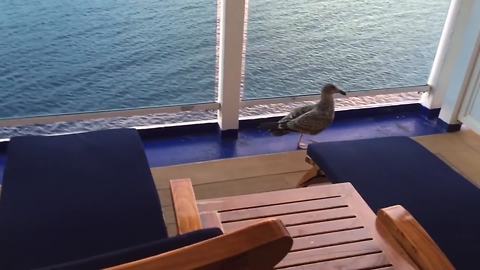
232,21
453,62
437,79
461,56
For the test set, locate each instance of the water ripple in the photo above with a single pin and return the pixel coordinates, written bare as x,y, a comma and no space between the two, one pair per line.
76,56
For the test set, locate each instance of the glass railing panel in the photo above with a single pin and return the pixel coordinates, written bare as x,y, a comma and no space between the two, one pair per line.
294,47
60,57
137,121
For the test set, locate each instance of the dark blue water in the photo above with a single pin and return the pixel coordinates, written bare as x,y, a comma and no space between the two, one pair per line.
78,56
296,46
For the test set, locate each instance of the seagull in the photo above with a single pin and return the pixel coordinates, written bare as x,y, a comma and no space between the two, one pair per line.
310,119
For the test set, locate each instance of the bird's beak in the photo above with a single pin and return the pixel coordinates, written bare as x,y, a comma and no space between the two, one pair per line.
342,92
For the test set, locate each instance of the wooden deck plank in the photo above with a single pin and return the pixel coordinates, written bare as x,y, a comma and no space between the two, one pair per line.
171,229
165,197
460,150
328,253
237,187
234,168
250,185
370,261
168,214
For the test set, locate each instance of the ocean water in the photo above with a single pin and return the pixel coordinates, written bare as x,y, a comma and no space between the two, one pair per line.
296,46
79,56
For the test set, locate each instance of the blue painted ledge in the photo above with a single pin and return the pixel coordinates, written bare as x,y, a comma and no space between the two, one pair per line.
184,144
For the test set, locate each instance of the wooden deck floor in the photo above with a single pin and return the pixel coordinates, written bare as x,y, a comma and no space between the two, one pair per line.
230,177
461,150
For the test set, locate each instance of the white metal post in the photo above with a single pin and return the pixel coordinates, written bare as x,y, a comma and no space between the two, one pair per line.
232,40
461,57
452,66
437,79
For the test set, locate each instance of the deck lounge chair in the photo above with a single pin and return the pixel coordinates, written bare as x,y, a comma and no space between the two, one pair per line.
88,201
398,170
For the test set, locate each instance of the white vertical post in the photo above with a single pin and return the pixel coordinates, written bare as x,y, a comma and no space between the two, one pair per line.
461,56
453,62
232,22
437,82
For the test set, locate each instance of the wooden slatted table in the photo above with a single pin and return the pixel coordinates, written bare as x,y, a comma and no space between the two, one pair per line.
332,227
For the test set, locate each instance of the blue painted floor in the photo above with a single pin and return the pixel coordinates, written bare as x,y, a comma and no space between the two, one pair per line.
253,141
208,145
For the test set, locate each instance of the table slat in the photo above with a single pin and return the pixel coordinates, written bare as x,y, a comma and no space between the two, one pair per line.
330,239
329,253
296,219
273,197
325,227
332,227
370,261
282,209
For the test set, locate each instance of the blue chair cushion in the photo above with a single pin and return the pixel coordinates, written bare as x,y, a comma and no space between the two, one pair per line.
398,170
70,197
138,252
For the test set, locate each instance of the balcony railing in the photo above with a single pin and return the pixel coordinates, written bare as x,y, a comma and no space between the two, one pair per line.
232,86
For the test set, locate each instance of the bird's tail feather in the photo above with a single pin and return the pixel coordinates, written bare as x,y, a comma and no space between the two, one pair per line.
273,128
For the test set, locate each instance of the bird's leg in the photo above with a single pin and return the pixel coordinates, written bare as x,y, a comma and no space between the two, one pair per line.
301,145
300,139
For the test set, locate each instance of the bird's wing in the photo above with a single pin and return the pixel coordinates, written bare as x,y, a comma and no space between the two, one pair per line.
311,122
296,113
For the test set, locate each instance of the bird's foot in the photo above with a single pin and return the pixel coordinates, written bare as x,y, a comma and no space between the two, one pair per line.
302,146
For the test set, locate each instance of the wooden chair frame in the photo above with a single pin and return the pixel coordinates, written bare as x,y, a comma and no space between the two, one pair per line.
310,174
406,230
257,247
265,244
413,238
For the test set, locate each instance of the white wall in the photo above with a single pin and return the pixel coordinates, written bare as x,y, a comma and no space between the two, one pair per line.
451,75
437,80
470,110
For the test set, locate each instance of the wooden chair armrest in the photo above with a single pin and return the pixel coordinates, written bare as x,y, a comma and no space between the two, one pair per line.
185,206
257,247
413,238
